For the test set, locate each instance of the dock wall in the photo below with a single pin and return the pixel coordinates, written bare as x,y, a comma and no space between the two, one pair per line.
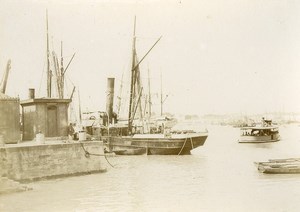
33,162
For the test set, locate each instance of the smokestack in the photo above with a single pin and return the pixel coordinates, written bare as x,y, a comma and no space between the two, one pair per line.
31,93
110,98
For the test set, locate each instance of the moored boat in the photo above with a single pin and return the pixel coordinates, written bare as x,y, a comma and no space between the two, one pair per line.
285,160
292,169
160,144
158,139
264,133
279,168
130,150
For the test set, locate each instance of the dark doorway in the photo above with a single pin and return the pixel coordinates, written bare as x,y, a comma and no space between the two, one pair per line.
51,121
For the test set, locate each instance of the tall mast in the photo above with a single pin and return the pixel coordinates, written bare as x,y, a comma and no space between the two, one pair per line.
138,88
138,100
149,94
135,81
56,72
62,77
132,80
161,95
48,61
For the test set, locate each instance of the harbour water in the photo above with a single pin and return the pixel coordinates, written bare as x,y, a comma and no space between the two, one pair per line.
219,176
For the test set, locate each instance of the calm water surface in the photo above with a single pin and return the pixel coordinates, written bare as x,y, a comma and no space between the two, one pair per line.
220,176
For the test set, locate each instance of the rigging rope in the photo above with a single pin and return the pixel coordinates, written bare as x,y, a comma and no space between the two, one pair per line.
192,143
39,91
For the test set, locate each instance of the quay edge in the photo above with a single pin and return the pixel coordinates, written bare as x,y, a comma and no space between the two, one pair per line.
30,161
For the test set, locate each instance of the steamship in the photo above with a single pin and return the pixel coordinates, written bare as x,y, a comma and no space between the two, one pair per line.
128,137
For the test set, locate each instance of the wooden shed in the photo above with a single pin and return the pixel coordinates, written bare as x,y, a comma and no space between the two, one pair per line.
9,119
46,115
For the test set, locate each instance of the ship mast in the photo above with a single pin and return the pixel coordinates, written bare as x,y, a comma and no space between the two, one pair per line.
48,61
62,78
132,80
135,84
149,95
161,96
138,89
56,72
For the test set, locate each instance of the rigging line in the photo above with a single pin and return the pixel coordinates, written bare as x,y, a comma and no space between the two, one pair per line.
87,154
41,79
146,54
69,63
70,79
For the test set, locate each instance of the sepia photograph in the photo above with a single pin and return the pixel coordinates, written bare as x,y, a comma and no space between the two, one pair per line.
149,105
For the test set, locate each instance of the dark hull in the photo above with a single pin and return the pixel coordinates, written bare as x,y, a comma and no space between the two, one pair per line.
160,146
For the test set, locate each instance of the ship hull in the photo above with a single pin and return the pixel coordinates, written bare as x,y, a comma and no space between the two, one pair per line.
259,139
280,166
158,144
280,169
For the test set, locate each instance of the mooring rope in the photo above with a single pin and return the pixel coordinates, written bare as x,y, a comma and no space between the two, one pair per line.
192,143
182,146
87,154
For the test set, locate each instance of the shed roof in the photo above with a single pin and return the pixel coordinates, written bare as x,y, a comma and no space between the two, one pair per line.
44,100
6,97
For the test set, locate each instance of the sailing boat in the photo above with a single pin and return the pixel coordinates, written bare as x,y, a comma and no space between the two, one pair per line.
165,142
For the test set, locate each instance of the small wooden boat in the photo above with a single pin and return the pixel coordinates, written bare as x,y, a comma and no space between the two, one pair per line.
286,169
285,160
279,166
130,151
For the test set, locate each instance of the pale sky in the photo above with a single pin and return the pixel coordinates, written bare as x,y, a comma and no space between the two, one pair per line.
231,56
